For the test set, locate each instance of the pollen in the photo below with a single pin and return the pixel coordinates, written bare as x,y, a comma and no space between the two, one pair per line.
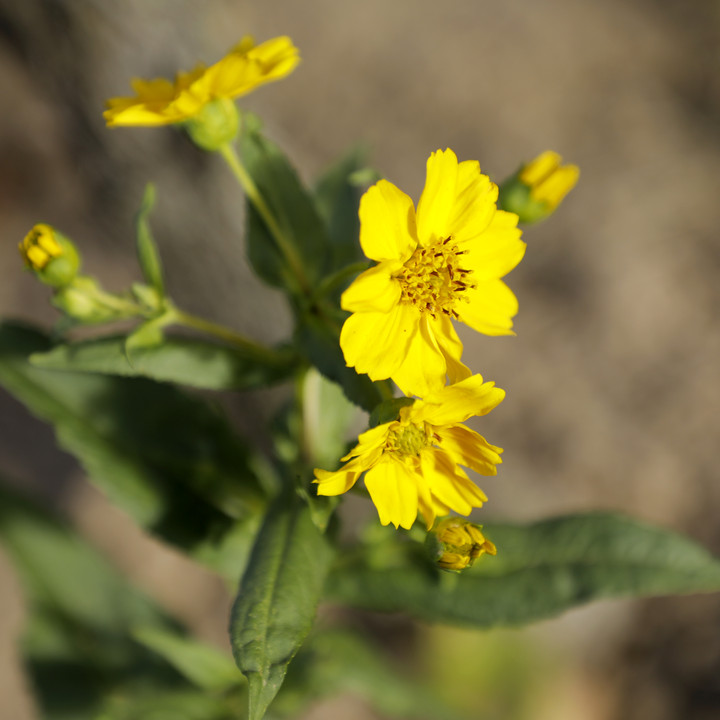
407,440
433,280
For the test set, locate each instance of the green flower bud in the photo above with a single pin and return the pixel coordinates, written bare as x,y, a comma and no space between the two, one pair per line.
455,543
50,255
535,191
79,301
216,125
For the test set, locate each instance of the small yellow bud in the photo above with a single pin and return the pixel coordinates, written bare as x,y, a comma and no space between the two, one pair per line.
455,543
535,191
215,125
50,255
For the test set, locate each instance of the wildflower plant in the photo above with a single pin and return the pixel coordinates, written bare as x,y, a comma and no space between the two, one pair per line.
371,335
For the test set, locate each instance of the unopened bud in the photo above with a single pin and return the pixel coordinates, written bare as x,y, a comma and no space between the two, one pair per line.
50,255
535,191
216,125
80,302
455,543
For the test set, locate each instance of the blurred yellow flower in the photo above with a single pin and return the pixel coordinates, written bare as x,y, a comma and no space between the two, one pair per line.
412,464
455,544
53,258
548,180
440,263
245,67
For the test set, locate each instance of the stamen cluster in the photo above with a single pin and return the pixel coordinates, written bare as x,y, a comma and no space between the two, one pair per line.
432,279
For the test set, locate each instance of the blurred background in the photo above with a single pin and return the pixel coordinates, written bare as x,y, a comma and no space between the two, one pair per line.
613,383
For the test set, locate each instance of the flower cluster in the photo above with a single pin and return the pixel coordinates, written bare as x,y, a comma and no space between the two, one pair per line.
441,263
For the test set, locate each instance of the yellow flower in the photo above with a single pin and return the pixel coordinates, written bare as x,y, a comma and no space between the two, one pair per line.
245,67
440,263
412,463
50,255
455,544
548,180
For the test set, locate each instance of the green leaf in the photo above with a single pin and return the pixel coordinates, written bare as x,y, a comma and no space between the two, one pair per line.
202,664
319,339
540,570
338,201
294,210
278,596
157,703
339,661
167,459
187,361
76,643
62,573
147,251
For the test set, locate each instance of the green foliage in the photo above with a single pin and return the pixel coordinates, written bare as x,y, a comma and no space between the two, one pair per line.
338,200
540,570
294,211
278,596
318,338
203,665
187,361
147,251
340,661
167,459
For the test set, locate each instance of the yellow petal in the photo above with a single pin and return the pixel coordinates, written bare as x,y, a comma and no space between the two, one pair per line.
387,223
497,250
456,403
438,197
376,343
335,483
373,290
468,448
394,492
490,308
449,483
423,368
451,348
541,167
554,188
474,204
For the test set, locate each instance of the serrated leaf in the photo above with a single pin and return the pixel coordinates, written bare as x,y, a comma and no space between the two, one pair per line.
319,340
293,208
278,596
186,361
147,251
540,570
167,459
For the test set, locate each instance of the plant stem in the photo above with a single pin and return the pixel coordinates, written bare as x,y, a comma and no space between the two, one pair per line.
261,352
253,194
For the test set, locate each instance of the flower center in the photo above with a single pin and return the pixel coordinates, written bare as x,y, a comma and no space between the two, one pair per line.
432,279
407,440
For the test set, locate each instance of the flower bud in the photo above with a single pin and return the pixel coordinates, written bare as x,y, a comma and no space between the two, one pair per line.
535,191
455,543
80,302
215,125
50,255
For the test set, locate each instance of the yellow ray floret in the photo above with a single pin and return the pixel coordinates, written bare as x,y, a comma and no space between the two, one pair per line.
412,464
549,181
244,68
441,263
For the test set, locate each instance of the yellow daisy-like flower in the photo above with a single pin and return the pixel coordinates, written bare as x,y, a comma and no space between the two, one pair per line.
441,263
412,464
245,67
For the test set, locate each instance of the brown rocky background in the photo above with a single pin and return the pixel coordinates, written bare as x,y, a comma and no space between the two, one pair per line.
613,379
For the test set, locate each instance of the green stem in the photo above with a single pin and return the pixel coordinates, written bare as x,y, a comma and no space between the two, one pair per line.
127,307
251,190
261,352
